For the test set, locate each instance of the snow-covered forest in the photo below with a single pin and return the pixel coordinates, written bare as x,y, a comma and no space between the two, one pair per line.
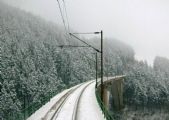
33,66
146,91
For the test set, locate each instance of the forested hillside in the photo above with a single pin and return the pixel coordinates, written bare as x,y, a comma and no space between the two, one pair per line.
33,67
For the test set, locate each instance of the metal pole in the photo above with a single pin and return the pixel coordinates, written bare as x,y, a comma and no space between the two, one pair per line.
96,69
102,87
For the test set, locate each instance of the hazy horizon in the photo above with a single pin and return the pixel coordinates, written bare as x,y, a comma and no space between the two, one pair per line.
143,24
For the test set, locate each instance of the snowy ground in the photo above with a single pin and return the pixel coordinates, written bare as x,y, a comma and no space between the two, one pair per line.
68,108
39,114
88,108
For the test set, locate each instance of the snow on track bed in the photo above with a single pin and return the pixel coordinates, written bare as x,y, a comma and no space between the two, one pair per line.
89,108
80,104
58,105
40,114
67,111
76,107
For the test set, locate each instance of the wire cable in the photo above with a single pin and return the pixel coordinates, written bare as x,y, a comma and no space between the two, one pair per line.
67,36
85,42
64,4
63,20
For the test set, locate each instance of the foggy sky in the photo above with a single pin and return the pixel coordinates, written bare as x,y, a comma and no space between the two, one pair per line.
143,24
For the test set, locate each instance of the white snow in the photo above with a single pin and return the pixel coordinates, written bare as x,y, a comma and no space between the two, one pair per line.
68,108
88,108
39,114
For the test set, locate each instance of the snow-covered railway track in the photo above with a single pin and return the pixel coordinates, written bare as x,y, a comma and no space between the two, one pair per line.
79,104
75,111
58,109
57,106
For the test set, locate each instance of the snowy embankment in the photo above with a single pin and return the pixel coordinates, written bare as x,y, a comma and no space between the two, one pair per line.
39,114
88,108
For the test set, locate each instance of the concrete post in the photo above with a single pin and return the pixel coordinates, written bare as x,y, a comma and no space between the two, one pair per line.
117,94
106,95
